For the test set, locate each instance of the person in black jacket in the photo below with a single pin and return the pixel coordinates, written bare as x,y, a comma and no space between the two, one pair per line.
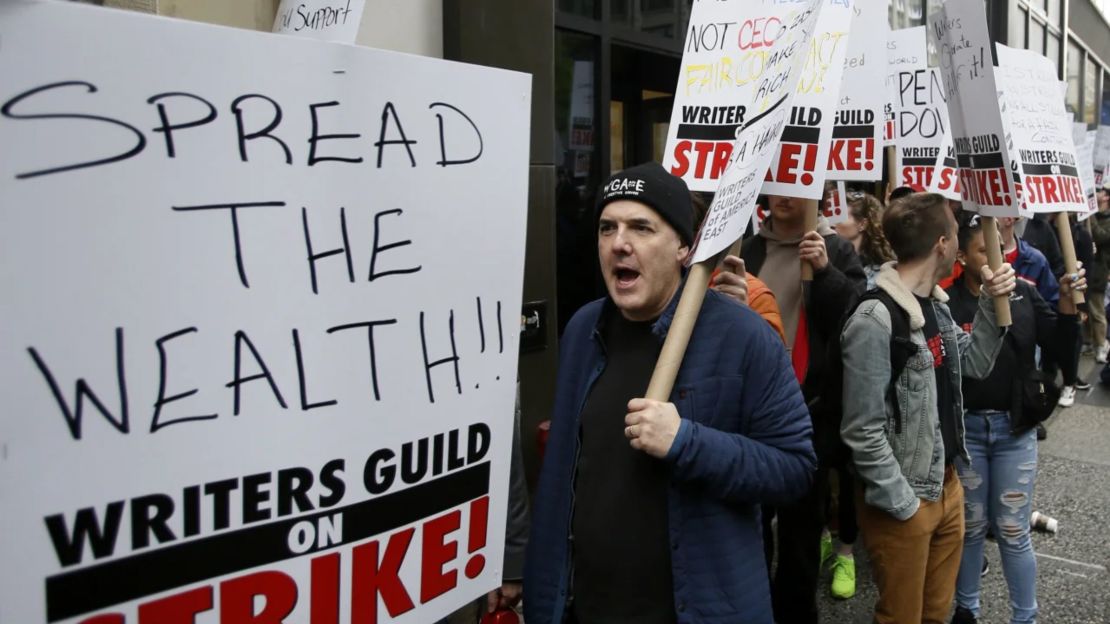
811,314
1069,367
1000,436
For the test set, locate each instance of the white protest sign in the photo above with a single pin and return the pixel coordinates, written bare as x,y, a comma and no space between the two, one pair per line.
758,139
260,323
834,207
922,125
904,48
858,127
958,30
1084,161
323,20
1041,133
800,163
735,59
945,175
1101,154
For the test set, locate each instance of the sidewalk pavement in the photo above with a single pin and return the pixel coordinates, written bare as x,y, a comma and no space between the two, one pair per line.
1073,486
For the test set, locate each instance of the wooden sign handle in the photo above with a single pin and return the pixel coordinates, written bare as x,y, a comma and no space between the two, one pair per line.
1067,245
994,261
891,170
678,336
810,225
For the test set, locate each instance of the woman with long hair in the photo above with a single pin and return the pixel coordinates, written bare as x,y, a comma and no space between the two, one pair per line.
863,228
999,424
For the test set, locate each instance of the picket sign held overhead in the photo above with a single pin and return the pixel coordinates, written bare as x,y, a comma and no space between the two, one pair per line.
957,31
765,107
323,20
801,159
1042,136
256,348
857,135
731,74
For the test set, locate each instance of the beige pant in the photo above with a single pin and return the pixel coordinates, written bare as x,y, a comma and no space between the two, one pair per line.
916,561
1097,317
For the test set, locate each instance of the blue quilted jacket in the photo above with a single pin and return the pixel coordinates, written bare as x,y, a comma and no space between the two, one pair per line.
745,439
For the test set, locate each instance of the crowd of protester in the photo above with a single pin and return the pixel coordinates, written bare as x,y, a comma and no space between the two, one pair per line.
880,401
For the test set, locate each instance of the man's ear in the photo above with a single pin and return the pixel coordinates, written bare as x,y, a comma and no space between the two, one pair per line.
683,253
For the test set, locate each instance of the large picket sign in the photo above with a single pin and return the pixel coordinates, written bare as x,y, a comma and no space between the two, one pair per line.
1041,132
757,140
858,128
737,55
958,30
260,323
800,164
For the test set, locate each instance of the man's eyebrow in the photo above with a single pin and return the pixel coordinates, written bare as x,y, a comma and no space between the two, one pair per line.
641,221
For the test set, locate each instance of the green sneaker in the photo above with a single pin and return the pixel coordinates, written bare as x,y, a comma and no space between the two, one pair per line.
844,577
826,548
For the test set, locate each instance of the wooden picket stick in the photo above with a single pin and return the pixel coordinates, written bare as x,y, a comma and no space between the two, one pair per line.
994,261
810,225
682,326
1067,245
891,170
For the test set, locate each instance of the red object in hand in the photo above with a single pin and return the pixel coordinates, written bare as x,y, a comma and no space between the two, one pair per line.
542,431
501,616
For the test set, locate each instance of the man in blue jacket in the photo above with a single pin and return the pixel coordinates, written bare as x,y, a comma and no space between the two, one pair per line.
649,511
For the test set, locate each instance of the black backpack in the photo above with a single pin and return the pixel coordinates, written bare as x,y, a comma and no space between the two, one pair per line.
901,349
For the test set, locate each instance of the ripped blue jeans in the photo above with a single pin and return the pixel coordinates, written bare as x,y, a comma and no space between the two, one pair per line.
998,491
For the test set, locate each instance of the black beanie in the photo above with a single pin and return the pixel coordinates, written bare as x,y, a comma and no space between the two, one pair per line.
651,185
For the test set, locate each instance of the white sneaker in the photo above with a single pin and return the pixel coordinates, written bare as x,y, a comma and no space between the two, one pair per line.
1067,396
1102,351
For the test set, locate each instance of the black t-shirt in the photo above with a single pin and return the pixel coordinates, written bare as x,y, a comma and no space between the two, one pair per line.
996,392
622,559
941,364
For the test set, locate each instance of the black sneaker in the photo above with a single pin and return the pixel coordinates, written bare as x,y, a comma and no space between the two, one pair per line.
1042,433
1082,386
986,568
964,616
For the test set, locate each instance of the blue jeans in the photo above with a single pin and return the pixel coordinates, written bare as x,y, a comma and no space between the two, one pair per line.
998,491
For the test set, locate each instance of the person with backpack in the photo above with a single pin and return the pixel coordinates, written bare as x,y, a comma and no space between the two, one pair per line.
1002,411
811,314
903,360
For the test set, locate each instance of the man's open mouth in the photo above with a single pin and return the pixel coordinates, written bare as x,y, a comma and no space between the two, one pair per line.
626,277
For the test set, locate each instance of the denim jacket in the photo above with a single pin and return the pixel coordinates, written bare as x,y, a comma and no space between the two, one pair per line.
897,468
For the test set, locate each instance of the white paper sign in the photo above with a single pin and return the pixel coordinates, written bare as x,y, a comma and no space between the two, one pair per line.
758,139
260,323
736,58
800,163
904,48
1041,132
858,127
958,30
323,20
